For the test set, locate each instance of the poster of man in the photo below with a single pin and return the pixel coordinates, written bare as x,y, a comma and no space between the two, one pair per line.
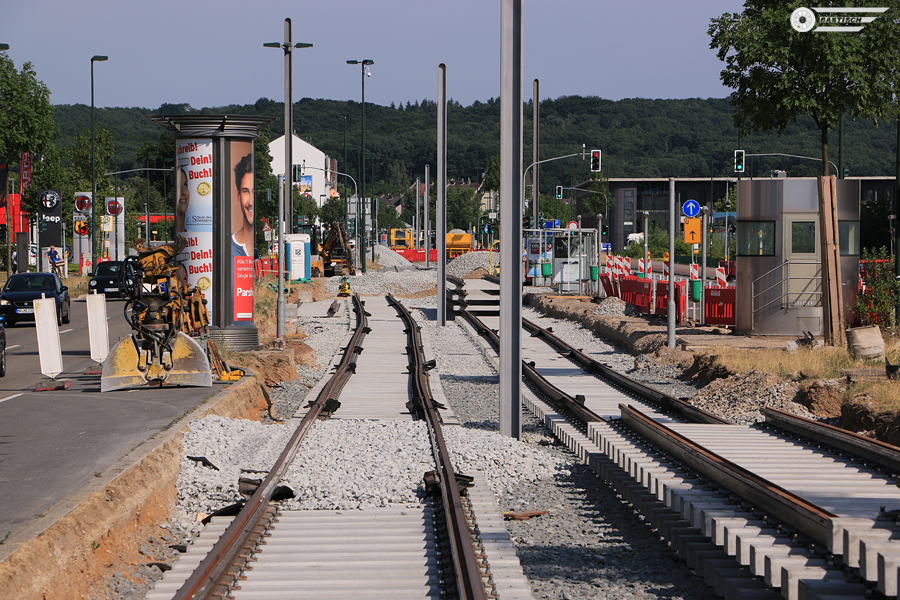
242,228
242,205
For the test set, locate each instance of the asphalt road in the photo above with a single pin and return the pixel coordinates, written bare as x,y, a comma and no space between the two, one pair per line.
53,443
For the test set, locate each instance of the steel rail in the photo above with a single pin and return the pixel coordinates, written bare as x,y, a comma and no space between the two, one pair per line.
468,576
574,405
784,506
874,451
666,401
212,574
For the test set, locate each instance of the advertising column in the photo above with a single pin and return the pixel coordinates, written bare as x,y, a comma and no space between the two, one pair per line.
194,213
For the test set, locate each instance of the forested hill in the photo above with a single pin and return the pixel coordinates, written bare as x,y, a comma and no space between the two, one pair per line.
638,137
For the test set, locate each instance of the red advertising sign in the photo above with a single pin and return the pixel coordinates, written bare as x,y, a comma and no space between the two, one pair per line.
82,203
25,169
113,207
243,288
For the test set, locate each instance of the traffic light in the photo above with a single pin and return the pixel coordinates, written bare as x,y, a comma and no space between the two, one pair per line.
738,161
595,161
559,192
297,172
605,230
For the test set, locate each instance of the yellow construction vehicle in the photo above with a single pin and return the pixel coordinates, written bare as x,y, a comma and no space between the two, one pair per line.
335,253
400,239
458,243
344,287
160,312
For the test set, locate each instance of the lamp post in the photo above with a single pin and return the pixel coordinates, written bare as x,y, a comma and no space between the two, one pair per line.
94,237
361,244
288,48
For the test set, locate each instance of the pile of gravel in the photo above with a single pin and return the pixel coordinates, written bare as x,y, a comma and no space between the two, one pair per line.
389,259
464,264
616,307
741,397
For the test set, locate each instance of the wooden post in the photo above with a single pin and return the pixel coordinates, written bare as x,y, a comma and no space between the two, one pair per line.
832,302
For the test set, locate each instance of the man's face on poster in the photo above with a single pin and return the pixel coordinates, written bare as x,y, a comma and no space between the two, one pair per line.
245,197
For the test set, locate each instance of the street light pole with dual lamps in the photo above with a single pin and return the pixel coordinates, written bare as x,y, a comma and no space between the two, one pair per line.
94,237
361,202
288,48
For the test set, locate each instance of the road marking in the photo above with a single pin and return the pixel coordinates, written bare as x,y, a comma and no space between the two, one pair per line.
66,330
10,397
16,346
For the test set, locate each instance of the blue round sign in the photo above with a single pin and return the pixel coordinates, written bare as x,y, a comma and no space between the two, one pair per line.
691,208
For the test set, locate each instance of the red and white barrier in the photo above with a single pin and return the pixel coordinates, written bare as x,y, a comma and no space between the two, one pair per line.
721,280
695,271
665,270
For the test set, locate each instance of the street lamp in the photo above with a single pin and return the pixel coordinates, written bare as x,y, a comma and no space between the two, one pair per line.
94,237
363,64
288,48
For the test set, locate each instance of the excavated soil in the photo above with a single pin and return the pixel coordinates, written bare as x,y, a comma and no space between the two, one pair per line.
110,527
822,398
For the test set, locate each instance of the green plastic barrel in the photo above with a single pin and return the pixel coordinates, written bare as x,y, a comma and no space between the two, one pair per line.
546,269
696,290
593,272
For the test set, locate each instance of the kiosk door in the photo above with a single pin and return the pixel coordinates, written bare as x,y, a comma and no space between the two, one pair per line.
802,279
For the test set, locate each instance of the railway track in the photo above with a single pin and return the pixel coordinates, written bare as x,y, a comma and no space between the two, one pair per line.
454,545
785,508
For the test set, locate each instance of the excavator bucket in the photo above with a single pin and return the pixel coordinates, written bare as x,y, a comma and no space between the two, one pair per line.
129,366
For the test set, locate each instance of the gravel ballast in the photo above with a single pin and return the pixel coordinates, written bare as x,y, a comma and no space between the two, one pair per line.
589,544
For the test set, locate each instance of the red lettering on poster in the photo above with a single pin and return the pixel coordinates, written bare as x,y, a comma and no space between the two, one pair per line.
243,288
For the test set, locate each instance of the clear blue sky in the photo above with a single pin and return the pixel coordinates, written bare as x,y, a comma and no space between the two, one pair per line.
210,54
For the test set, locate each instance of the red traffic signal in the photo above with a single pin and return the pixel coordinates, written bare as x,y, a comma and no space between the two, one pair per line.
595,161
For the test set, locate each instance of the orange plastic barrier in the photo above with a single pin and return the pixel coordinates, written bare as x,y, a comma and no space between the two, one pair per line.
637,291
417,255
265,266
607,285
662,299
719,302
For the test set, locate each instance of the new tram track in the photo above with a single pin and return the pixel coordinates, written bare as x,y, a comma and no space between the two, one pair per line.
785,508
441,549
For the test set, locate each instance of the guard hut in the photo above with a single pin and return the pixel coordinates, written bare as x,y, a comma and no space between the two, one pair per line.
215,212
778,254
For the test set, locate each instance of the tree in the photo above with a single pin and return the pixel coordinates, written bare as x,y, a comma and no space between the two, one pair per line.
26,115
26,119
80,154
463,208
492,174
779,74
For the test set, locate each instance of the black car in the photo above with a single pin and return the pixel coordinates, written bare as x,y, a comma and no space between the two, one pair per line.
105,279
22,289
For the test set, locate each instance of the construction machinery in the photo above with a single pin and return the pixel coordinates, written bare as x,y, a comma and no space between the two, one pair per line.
458,243
162,313
335,253
344,287
400,239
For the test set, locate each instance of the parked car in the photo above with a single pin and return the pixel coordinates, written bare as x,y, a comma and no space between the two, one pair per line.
22,289
105,278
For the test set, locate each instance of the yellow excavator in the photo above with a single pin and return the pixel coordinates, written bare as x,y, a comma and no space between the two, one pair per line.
161,313
335,253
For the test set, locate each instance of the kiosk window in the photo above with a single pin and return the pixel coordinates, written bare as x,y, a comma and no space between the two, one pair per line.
803,237
756,238
848,238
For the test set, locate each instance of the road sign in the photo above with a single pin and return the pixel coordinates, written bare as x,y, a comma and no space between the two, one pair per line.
691,208
692,231
572,225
